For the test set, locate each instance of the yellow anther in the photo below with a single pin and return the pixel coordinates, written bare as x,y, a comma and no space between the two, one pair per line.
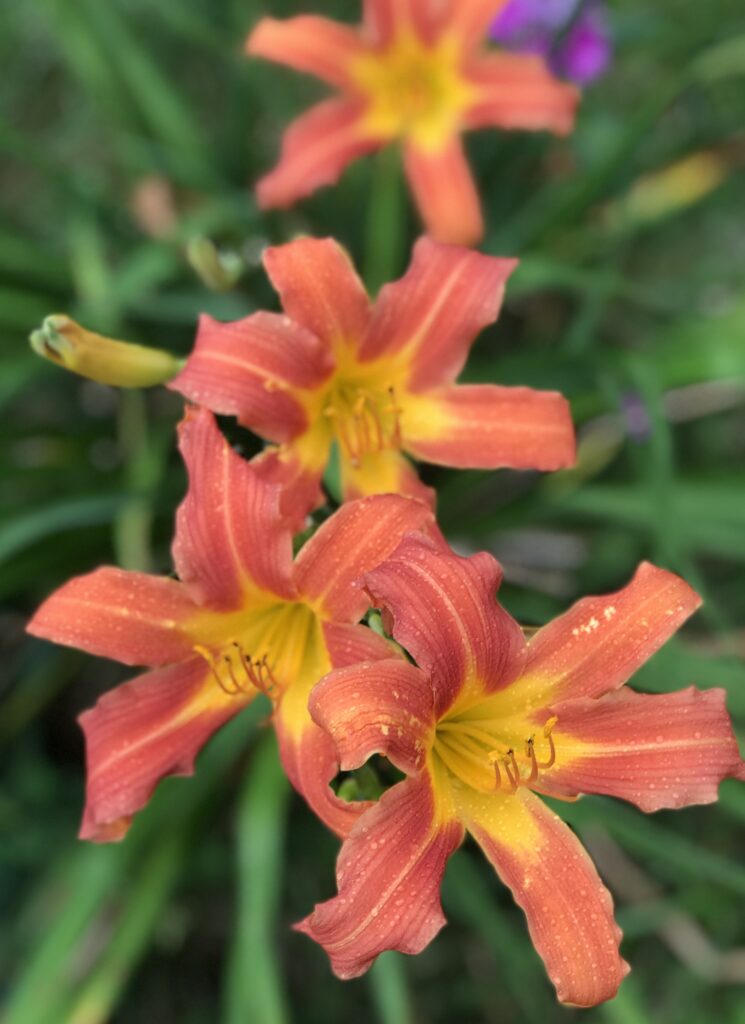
237,674
364,420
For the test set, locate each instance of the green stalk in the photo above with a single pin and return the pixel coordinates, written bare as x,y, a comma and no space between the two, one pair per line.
150,892
86,882
254,983
385,220
389,990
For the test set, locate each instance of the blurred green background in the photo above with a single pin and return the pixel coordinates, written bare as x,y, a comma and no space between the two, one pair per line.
129,127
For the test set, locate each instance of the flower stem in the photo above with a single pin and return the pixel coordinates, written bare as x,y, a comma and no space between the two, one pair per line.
389,990
255,990
385,220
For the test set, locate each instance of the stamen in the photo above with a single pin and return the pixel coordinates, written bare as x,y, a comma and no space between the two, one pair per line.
259,673
514,779
253,675
269,682
530,754
363,427
466,746
361,420
377,422
231,673
547,730
494,758
246,665
203,652
509,763
395,409
347,440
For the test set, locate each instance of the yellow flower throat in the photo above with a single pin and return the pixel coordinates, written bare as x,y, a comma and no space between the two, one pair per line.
363,419
269,650
414,90
485,754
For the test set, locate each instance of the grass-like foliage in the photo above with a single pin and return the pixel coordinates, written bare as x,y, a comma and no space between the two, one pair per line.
130,128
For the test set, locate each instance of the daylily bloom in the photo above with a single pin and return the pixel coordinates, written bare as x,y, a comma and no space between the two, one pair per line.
415,72
377,380
484,722
573,35
242,619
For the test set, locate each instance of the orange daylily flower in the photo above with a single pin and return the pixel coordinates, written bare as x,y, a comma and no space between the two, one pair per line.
377,380
243,618
415,72
483,723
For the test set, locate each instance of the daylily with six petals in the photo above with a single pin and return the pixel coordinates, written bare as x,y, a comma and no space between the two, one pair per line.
415,72
483,722
242,619
376,379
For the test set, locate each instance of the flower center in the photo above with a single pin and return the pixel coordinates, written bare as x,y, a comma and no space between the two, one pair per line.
474,755
363,419
414,90
236,673
268,651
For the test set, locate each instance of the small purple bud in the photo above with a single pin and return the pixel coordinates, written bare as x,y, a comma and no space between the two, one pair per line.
572,35
585,53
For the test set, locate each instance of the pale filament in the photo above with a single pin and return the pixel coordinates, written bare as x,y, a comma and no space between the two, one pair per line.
511,768
245,676
360,425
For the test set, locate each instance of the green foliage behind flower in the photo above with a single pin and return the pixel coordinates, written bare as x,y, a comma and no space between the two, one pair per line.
128,129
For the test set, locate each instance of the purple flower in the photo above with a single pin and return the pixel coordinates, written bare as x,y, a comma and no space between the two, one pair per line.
573,35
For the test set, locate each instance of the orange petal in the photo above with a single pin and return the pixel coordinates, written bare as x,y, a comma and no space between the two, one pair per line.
663,751
445,192
315,150
319,289
354,540
600,642
311,762
232,541
443,611
432,315
485,426
301,491
127,616
383,707
350,643
569,910
308,753
255,369
318,46
142,731
385,19
470,19
388,875
518,91
385,472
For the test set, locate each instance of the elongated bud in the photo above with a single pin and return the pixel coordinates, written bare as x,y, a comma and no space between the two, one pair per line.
119,363
218,270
